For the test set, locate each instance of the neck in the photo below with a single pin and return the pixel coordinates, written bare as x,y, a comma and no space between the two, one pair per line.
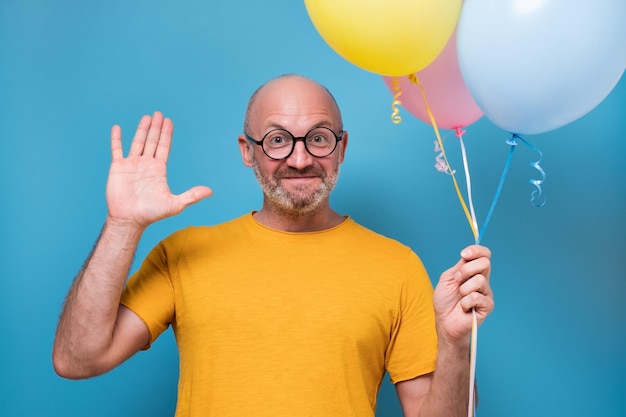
322,218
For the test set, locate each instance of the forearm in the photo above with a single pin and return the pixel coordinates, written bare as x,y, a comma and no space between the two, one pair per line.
87,323
449,391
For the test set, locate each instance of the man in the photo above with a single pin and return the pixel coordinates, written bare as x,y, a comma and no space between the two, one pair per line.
290,310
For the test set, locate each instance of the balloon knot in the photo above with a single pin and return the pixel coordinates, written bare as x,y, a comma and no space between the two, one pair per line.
513,139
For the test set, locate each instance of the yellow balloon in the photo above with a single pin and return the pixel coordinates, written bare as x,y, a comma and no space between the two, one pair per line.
387,37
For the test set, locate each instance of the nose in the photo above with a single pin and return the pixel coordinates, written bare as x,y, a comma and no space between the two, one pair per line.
300,158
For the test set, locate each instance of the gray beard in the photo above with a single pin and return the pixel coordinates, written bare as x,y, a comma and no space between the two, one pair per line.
299,202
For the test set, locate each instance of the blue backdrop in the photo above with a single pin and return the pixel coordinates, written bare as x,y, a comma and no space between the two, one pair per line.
70,69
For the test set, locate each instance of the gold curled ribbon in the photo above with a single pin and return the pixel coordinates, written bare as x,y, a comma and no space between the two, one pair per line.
415,80
395,116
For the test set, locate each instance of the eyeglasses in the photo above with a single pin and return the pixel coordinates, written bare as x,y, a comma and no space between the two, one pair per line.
279,143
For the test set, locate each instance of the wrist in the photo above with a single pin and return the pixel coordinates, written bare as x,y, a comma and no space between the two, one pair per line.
453,345
125,230
121,226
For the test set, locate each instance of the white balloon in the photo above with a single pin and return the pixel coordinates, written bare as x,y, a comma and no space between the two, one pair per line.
536,65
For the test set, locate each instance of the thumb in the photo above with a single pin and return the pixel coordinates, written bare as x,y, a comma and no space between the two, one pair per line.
452,274
194,194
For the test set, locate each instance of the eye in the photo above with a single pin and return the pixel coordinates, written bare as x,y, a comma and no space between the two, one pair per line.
319,139
277,140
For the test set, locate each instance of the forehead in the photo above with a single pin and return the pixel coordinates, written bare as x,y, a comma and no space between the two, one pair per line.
295,104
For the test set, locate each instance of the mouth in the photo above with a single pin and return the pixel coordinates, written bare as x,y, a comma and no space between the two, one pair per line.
300,179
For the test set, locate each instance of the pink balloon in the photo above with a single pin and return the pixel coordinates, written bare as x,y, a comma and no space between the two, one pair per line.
449,100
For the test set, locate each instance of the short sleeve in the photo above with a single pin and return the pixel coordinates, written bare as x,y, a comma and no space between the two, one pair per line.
412,350
149,292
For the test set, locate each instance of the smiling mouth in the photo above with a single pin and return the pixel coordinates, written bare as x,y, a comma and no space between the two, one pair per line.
300,178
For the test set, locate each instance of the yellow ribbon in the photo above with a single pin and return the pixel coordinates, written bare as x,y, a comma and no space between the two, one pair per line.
395,116
415,80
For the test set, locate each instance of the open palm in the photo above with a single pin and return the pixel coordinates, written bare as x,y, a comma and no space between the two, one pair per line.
137,190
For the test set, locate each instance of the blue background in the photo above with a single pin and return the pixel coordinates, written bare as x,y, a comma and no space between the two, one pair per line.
69,70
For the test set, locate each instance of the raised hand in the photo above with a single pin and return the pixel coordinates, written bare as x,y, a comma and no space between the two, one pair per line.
460,289
137,191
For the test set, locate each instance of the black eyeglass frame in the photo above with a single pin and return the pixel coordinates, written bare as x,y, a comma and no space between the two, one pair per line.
338,137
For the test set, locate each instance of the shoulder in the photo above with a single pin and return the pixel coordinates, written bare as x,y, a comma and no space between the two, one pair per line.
379,248
204,234
374,239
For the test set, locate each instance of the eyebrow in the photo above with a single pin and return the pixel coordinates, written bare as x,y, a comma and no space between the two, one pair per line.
273,126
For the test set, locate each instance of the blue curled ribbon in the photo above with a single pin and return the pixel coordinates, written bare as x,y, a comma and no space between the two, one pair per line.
535,196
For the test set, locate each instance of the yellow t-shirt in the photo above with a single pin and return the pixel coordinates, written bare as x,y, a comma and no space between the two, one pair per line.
271,323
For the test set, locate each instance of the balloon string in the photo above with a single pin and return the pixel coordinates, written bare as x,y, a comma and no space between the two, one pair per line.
459,134
413,78
395,116
507,165
537,197
471,407
473,225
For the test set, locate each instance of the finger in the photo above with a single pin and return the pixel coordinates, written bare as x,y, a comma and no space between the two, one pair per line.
469,254
117,152
475,251
194,194
473,267
165,140
477,283
154,134
479,302
452,274
139,140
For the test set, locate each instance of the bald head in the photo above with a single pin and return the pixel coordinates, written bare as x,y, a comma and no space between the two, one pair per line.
290,87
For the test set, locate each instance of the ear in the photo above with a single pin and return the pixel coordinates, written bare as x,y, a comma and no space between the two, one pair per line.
244,148
344,145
